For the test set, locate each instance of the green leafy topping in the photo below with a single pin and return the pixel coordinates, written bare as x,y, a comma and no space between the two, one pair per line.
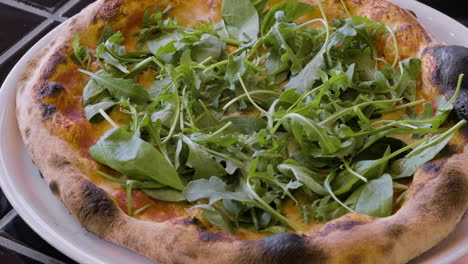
241,19
80,54
214,190
289,10
134,157
294,115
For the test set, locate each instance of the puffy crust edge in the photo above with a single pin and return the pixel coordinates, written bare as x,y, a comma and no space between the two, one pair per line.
435,203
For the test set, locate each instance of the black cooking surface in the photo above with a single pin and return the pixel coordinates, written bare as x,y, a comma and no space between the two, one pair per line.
23,23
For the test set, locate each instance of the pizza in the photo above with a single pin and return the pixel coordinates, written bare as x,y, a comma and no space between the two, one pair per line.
237,131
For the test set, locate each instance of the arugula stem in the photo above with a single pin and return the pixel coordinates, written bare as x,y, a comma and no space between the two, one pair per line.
249,97
311,21
327,28
399,186
457,91
231,41
400,107
215,65
401,197
338,114
254,66
254,218
129,187
395,44
219,131
207,111
155,60
228,104
346,8
205,61
107,176
174,121
330,191
140,210
348,168
139,66
108,119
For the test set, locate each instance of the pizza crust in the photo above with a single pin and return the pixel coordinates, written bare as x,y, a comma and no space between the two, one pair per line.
435,202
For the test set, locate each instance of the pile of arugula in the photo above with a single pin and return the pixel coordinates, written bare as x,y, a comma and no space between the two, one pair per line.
256,110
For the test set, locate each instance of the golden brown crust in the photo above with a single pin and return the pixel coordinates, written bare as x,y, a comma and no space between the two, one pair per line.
434,204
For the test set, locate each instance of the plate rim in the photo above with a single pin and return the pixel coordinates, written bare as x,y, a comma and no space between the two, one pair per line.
46,230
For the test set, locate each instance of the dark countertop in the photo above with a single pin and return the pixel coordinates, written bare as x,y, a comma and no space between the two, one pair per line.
23,23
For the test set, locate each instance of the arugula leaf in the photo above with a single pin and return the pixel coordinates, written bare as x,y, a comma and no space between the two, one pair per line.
120,88
92,110
128,154
93,91
214,190
323,209
425,152
215,217
107,32
241,19
370,169
406,84
165,194
292,11
246,124
307,77
305,176
302,126
373,198
80,54
201,161
208,46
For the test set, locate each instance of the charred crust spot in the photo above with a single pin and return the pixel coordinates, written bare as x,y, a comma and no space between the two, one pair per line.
58,161
48,110
56,59
107,11
281,248
53,186
27,132
448,199
433,167
342,225
283,243
394,231
206,236
187,221
95,202
412,13
449,62
50,89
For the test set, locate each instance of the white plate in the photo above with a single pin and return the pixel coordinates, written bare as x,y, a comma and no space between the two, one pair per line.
32,199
